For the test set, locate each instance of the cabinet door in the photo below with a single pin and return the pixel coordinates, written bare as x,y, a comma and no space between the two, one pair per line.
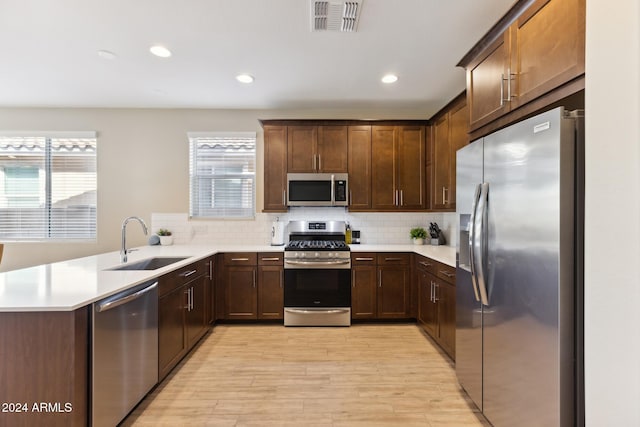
332,149
241,292
486,88
302,143
359,146
383,174
446,296
270,292
441,160
392,298
363,291
548,48
195,314
275,168
428,307
172,343
458,138
411,167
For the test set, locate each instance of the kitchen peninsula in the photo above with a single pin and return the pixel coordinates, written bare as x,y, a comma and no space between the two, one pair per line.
45,331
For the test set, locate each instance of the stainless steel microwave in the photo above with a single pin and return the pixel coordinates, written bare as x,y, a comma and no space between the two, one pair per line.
317,189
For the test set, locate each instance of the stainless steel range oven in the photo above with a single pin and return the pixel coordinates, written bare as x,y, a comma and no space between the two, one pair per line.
317,275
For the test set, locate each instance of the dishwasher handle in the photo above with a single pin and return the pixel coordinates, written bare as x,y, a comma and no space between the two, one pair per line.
108,305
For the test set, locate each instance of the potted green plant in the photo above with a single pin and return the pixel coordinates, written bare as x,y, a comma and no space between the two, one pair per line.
166,238
418,234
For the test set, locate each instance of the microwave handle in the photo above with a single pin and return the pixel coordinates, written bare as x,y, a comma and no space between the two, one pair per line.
333,190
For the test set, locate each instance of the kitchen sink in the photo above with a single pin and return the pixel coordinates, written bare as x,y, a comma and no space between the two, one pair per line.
149,263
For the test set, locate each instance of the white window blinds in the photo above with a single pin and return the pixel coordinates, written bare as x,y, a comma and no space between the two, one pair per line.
222,174
48,185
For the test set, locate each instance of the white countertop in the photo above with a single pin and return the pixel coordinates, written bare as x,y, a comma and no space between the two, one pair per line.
69,285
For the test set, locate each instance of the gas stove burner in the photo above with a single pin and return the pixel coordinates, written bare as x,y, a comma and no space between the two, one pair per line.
317,245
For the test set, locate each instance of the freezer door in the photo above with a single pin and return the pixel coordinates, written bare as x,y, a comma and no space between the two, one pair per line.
468,307
527,331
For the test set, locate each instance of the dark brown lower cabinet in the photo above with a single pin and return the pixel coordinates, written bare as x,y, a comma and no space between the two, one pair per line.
182,313
380,286
437,302
363,286
253,285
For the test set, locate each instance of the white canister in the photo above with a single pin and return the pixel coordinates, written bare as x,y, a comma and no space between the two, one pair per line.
277,233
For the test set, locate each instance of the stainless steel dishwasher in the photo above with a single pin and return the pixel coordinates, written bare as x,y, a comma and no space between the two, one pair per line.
124,352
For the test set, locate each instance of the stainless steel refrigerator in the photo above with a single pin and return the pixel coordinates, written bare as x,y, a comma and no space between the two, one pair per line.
519,200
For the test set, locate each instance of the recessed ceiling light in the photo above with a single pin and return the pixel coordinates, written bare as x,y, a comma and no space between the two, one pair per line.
105,54
389,78
160,51
245,78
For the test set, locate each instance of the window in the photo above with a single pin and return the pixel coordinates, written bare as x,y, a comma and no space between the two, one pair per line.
222,171
47,185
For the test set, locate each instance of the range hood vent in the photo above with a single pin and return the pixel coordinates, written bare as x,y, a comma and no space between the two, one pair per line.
340,16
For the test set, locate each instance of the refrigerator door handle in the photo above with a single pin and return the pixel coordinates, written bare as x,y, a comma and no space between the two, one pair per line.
479,241
472,237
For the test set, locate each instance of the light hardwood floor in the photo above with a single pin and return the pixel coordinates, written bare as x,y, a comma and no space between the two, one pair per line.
269,375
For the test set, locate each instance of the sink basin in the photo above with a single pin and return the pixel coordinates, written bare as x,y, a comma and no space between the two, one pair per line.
149,263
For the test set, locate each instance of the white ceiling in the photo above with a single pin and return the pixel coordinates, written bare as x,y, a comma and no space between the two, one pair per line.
49,53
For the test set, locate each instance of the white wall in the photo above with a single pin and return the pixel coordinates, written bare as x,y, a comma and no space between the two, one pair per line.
143,164
612,253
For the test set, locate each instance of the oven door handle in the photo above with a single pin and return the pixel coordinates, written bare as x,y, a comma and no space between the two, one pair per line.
319,263
314,311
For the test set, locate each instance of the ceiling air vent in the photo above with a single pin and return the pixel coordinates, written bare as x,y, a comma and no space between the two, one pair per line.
335,15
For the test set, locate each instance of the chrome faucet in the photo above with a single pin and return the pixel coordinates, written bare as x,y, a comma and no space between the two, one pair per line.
123,249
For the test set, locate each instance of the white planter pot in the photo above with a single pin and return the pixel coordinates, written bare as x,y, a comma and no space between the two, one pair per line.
166,240
418,241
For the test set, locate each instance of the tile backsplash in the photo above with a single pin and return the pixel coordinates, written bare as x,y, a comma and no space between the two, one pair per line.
375,228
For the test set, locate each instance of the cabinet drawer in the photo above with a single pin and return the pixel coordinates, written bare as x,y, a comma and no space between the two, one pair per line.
179,277
394,259
447,273
427,264
270,258
363,258
241,258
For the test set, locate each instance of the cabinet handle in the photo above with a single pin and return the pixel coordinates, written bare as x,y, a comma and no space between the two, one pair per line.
431,296
239,259
446,273
436,289
188,294
393,259
254,278
380,278
426,264
271,259
395,198
444,195
187,273
284,197
319,163
401,197
210,270
363,259
314,163
191,298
